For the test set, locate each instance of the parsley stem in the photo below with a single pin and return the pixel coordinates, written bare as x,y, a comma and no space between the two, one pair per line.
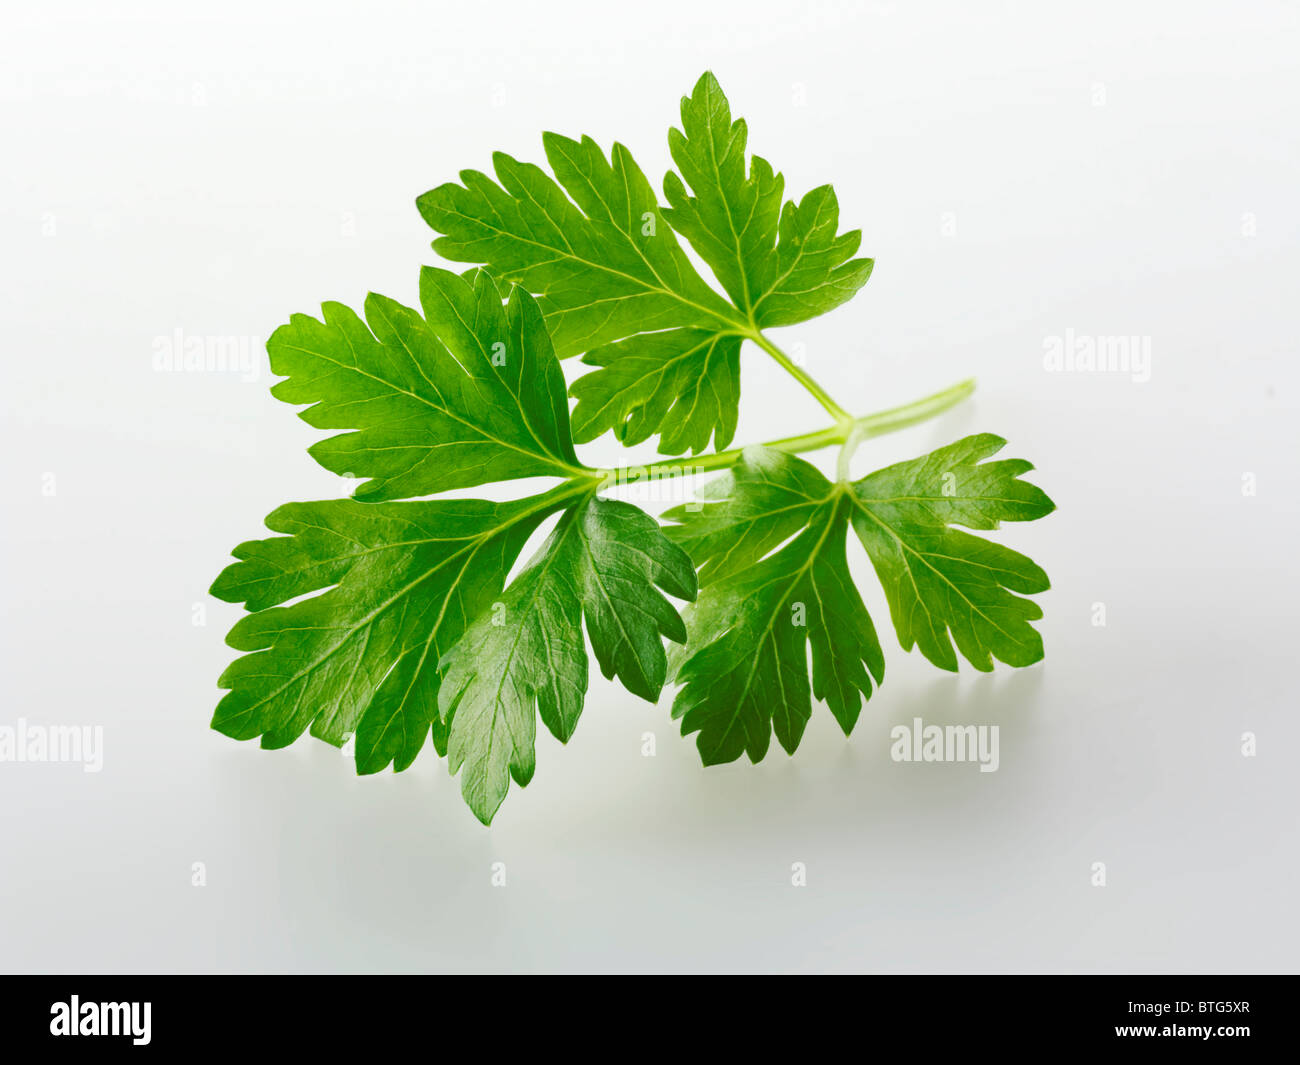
841,416
849,433
920,410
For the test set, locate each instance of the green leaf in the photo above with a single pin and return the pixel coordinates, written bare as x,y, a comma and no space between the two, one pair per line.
603,560
593,244
769,541
605,267
403,579
392,621
780,265
600,259
759,610
943,582
466,394
682,383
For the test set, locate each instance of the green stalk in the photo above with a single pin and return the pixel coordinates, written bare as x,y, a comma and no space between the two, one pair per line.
919,410
849,432
841,416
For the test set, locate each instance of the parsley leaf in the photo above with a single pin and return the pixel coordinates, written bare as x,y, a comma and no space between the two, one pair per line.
616,287
604,557
780,265
415,630
403,578
423,420
758,612
940,580
769,538
682,383
600,259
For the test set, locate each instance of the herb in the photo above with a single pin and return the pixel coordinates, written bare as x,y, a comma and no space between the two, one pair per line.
418,630
617,288
763,600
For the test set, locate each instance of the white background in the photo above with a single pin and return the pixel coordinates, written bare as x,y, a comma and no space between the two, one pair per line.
1018,170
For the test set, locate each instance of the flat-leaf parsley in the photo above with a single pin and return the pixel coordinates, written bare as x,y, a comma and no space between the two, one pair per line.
391,619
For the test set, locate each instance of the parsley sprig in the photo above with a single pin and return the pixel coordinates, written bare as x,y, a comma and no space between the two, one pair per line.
391,618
